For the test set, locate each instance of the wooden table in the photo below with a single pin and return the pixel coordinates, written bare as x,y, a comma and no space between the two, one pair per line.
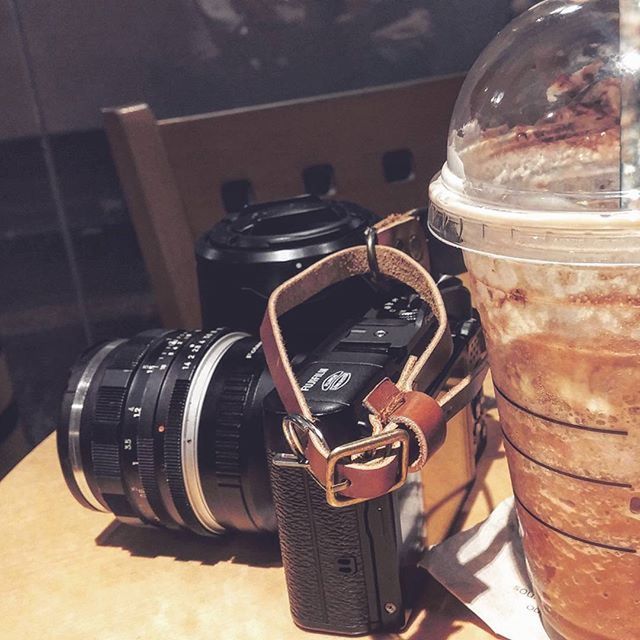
71,573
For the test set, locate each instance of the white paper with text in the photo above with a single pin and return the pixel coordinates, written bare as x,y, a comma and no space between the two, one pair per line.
485,569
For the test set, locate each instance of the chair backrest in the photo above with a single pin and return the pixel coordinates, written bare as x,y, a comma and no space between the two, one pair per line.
377,147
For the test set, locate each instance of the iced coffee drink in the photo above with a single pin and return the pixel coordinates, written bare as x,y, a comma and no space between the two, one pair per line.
565,357
534,191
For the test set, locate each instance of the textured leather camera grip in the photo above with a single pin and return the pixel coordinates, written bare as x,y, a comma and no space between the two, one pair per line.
322,555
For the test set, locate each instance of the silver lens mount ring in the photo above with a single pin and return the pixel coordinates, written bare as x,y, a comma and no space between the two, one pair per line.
75,422
190,429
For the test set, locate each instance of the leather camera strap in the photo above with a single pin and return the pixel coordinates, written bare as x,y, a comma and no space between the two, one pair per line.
396,408
405,231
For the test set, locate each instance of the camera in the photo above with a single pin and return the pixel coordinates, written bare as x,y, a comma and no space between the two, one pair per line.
353,570
182,428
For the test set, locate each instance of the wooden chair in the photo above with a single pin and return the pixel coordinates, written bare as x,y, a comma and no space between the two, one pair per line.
378,147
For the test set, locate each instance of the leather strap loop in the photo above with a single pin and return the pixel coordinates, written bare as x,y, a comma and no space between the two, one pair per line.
405,231
335,268
415,411
394,407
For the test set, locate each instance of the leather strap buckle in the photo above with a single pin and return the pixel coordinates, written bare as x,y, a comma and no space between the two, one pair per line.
335,470
334,486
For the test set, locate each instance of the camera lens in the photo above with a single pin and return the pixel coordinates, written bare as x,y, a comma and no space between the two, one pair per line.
166,429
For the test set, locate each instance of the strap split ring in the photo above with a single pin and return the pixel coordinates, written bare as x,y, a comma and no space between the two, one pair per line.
371,237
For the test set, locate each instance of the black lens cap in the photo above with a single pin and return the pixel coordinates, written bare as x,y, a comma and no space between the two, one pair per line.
299,224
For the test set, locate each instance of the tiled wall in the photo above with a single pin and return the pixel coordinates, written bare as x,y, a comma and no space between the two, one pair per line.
70,269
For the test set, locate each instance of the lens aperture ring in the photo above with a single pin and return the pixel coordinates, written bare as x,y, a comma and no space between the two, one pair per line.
137,425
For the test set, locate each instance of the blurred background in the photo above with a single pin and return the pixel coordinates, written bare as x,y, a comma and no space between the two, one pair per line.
71,270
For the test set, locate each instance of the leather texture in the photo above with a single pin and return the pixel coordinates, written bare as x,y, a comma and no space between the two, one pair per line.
415,411
322,555
404,231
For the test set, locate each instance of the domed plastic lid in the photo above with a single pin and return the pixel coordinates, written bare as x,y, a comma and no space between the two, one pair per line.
544,148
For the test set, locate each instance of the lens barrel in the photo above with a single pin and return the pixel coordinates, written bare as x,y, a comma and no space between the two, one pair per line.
166,429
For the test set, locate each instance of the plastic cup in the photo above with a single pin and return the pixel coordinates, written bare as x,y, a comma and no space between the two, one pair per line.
540,192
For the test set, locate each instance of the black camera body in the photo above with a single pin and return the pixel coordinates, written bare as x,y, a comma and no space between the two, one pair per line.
345,568
354,570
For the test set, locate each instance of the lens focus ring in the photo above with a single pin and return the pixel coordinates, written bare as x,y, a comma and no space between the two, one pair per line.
105,414
181,443
138,429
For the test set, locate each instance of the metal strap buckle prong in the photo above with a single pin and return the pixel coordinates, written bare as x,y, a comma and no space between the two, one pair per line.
291,426
290,461
294,426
